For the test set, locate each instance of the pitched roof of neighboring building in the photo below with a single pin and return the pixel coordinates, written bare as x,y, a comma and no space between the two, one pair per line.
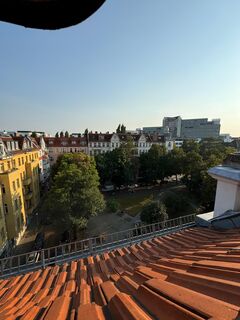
189,275
26,142
65,142
101,137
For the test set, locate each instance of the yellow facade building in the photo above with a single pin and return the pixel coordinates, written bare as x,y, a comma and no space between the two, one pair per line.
19,181
3,230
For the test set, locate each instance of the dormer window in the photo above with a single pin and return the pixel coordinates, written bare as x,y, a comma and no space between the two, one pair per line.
50,142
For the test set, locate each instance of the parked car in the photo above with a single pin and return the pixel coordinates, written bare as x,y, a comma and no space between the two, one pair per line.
108,187
39,241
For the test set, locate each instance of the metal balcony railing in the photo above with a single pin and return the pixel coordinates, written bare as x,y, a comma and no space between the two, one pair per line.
80,249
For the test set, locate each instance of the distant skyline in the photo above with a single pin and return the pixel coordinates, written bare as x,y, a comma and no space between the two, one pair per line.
132,62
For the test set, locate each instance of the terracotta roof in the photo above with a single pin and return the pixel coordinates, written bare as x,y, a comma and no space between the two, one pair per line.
192,274
65,142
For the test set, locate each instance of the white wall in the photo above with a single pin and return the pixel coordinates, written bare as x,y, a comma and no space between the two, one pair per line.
227,197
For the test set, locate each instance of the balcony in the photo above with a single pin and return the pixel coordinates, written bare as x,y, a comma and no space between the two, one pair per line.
27,181
28,196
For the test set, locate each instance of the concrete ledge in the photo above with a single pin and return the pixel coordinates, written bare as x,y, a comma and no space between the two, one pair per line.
225,172
228,220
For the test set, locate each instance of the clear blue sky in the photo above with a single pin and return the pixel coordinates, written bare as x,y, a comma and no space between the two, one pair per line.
133,61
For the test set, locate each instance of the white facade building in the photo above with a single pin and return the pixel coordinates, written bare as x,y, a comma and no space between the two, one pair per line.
98,143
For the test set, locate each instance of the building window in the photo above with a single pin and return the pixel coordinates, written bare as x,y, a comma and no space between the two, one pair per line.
16,204
2,167
18,183
9,165
19,161
14,185
22,160
3,189
20,201
6,208
113,145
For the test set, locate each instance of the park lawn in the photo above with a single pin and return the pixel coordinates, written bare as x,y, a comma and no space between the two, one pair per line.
133,203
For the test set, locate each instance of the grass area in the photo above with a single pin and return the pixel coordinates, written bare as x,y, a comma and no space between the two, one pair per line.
133,203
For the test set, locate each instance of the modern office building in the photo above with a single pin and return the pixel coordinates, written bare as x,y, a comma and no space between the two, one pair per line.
172,125
200,128
153,130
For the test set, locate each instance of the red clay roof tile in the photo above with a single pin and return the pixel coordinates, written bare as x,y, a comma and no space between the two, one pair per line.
192,274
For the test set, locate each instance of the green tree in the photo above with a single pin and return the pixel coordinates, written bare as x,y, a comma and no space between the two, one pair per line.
175,204
118,129
123,129
175,162
154,212
193,165
113,205
190,145
153,164
75,195
118,166
34,134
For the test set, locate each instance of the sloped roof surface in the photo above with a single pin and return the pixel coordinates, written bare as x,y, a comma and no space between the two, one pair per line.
192,274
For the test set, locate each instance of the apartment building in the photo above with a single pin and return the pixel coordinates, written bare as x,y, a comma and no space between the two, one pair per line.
3,230
97,143
19,181
61,145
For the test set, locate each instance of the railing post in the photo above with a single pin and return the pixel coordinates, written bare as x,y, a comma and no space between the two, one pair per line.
180,222
43,259
153,228
90,245
2,267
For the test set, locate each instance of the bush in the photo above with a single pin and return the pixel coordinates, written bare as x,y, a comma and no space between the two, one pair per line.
154,212
175,204
113,205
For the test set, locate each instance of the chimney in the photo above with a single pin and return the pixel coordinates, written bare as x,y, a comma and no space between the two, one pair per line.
228,185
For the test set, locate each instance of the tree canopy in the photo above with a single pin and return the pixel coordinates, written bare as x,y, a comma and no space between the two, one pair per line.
154,212
75,195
